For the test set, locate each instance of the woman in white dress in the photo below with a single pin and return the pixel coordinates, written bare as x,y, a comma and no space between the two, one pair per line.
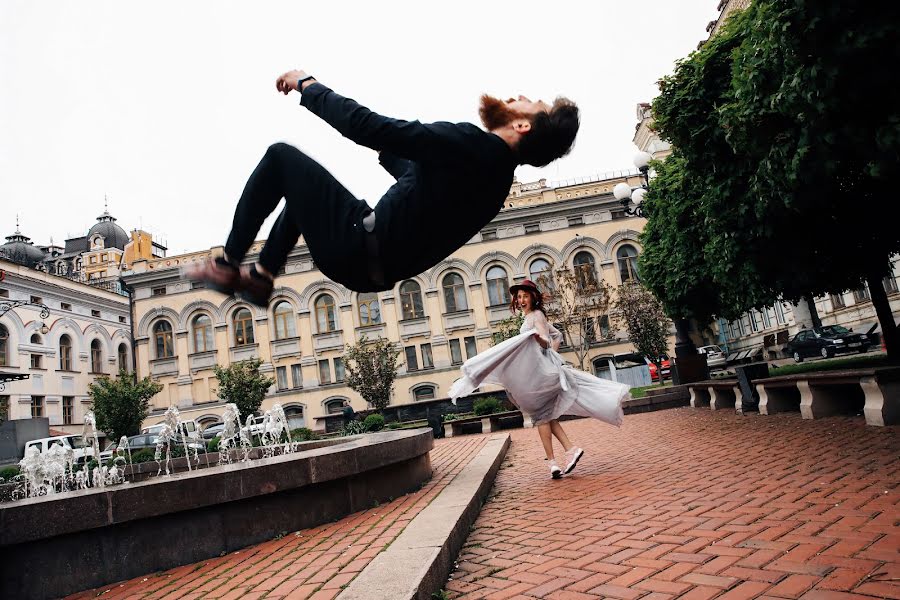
539,382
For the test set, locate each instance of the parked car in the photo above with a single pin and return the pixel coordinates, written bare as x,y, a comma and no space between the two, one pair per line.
666,369
212,431
826,342
189,429
74,442
715,358
149,440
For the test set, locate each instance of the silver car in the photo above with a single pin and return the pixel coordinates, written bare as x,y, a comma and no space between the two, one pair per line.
715,358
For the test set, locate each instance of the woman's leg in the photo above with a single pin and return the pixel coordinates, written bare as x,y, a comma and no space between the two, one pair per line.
557,430
546,439
573,453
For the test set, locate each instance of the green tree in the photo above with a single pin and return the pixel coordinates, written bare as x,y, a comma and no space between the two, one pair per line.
371,369
241,383
786,129
121,404
644,318
507,328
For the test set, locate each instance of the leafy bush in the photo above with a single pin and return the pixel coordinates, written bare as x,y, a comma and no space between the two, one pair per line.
303,434
374,422
143,455
455,416
487,406
213,444
393,425
7,473
353,428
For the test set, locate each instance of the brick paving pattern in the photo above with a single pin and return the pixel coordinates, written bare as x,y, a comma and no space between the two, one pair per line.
314,563
694,504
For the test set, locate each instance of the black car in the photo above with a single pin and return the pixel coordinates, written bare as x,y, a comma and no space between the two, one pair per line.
826,342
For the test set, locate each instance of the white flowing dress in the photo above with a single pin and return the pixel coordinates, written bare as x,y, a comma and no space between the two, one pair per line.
538,381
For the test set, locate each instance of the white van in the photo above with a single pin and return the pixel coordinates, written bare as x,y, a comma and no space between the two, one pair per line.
189,429
74,442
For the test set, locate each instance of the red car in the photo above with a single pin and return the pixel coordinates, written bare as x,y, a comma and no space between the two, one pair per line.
666,369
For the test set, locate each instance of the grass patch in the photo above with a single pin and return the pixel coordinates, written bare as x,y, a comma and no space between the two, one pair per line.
854,362
640,392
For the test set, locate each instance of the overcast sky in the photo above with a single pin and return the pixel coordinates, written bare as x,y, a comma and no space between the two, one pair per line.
165,107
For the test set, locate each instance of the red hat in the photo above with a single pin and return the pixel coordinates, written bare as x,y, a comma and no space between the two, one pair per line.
526,284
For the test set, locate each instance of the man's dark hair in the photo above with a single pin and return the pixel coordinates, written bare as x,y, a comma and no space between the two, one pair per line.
552,134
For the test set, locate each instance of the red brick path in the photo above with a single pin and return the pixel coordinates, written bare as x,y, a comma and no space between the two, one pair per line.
692,504
313,563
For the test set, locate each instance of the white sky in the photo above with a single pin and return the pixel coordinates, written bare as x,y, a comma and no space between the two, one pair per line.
166,106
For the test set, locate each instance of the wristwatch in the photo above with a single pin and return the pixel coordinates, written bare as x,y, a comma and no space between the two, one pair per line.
300,82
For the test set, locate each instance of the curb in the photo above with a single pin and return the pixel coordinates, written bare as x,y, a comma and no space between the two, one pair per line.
419,561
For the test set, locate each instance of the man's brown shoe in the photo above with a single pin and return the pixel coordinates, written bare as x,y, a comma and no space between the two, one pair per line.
255,287
218,275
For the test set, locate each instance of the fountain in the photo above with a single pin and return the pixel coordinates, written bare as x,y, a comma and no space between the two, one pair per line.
222,501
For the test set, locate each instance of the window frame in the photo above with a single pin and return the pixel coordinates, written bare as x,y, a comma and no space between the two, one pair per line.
167,337
322,304
65,352
629,262
242,325
455,298
368,300
417,311
206,330
96,356
497,287
285,323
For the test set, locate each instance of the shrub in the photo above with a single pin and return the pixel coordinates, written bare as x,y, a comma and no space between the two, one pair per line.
487,406
7,473
393,425
143,455
374,422
213,444
353,428
303,434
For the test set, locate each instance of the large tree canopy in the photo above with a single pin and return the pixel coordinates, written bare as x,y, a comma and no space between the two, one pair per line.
786,129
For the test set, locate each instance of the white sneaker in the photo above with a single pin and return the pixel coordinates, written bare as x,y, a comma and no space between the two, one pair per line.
555,471
572,458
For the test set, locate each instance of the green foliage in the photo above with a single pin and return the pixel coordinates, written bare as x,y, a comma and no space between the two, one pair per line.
487,406
143,455
507,328
353,428
786,131
374,422
303,434
213,444
7,473
121,404
646,321
371,369
856,362
456,416
241,383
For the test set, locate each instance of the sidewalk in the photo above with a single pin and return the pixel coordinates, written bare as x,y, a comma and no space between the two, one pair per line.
315,563
694,504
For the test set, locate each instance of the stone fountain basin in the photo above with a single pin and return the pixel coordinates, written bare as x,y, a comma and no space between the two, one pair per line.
68,542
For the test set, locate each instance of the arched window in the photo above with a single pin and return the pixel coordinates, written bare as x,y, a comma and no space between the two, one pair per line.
498,286
627,257
369,309
585,271
335,405
123,358
162,340
35,339
243,327
162,337
96,357
455,293
425,392
202,332
325,315
4,346
285,323
541,273
411,300
65,353
295,416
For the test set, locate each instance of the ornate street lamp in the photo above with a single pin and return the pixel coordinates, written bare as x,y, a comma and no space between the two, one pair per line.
8,305
628,196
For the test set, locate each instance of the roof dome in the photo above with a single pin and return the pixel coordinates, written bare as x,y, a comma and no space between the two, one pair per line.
19,249
113,235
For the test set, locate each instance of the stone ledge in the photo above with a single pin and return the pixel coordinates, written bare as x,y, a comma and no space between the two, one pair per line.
419,561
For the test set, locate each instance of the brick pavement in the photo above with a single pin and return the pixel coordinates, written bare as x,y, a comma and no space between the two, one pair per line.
694,504
314,563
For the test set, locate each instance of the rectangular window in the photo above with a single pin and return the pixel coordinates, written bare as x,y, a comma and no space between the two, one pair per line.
890,284
36,361
767,320
604,327
339,374
4,408
741,327
489,235
324,372
281,378
93,260
95,313
37,407
837,301
532,227
471,348
412,363
198,285
296,376
455,352
573,221
68,410
159,291
861,295
121,319
617,214
4,293
754,324
104,257
779,313
37,300
590,334
65,306
427,360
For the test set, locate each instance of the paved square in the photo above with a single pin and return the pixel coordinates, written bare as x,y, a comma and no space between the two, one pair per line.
694,504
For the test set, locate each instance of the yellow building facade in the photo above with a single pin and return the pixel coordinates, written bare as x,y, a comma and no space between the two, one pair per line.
437,319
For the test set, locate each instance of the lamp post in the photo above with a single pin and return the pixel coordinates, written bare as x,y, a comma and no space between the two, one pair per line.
8,305
632,200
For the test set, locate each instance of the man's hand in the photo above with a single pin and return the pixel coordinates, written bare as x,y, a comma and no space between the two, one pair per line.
287,82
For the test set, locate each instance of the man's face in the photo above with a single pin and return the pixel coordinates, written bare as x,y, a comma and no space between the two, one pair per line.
496,113
523,105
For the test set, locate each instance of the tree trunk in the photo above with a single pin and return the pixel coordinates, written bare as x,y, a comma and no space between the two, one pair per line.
684,345
813,313
889,331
